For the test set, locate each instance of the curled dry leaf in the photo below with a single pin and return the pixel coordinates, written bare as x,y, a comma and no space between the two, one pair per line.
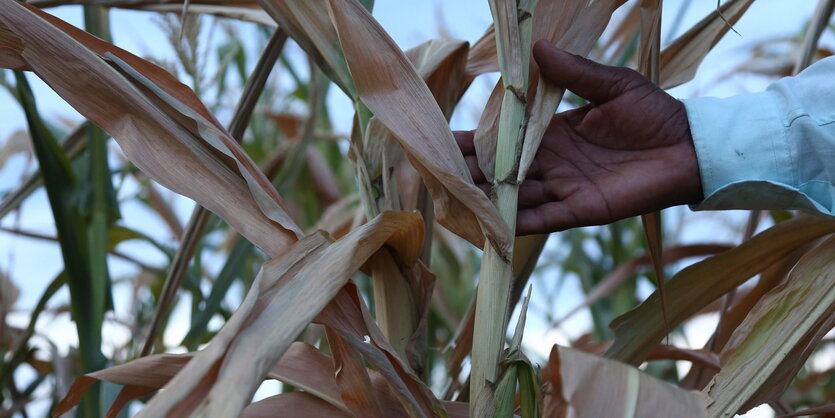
639,330
441,63
307,22
697,378
141,376
288,293
160,124
577,384
700,357
388,84
773,342
348,316
482,57
352,379
292,290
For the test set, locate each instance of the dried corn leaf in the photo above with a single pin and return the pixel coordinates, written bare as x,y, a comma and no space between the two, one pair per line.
508,47
288,293
159,123
482,58
617,277
577,384
777,336
697,357
246,14
348,316
817,24
697,378
680,60
352,378
143,375
650,38
302,366
389,86
307,368
441,63
576,28
621,38
293,404
639,330
307,22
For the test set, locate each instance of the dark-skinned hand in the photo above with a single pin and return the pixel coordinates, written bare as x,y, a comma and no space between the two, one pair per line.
628,152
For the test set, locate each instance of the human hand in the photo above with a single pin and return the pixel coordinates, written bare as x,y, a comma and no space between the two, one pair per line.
628,152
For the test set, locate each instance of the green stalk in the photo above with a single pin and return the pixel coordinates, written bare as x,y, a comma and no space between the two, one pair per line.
103,208
394,305
62,190
496,278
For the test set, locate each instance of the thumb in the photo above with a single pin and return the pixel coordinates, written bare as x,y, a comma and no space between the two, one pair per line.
594,82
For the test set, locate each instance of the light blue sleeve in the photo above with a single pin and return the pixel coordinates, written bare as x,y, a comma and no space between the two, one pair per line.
769,150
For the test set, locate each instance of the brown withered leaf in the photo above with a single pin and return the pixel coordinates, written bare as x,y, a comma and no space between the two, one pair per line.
388,84
639,330
352,378
482,58
698,377
287,294
293,404
307,22
348,316
618,276
773,342
141,376
160,124
583,385
293,289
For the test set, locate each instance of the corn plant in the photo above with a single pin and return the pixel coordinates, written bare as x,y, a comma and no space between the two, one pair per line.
367,254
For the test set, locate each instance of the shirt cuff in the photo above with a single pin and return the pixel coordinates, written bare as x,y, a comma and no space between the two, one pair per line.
744,155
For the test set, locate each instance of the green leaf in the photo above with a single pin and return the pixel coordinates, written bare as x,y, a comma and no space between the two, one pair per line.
87,296
235,262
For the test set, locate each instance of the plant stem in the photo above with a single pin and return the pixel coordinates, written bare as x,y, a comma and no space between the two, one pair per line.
496,276
394,304
512,22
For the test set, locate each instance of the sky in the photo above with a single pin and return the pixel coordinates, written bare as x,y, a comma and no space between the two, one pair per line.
32,264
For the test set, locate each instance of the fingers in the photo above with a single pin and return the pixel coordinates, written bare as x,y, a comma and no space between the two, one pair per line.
545,218
465,141
533,193
592,81
475,170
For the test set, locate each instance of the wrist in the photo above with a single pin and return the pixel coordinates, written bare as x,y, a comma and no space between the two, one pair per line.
686,163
